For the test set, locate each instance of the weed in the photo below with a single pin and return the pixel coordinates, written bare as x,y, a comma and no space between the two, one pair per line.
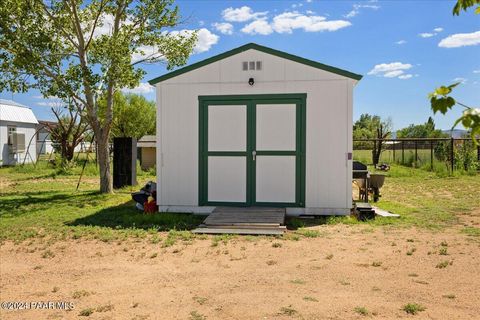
449,296
154,255
289,311
308,233
312,299
444,243
200,300
413,275
194,315
48,254
105,308
376,289
37,267
298,281
344,283
411,251
329,256
271,262
443,251
443,264
361,311
80,293
410,240
86,312
376,263
413,308
55,289
276,245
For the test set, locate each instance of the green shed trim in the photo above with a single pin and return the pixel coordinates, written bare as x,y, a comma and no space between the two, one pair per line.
257,47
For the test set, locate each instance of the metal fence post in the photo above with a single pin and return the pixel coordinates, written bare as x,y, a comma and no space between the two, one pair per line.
431,154
451,153
416,151
393,146
403,151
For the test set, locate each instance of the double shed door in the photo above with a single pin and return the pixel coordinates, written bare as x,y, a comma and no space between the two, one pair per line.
252,150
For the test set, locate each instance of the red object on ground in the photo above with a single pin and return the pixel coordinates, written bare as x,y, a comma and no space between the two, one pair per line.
150,206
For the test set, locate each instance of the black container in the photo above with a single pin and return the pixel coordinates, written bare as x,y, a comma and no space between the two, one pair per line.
124,162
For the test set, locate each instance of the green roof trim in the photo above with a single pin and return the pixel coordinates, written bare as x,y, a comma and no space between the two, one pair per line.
255,46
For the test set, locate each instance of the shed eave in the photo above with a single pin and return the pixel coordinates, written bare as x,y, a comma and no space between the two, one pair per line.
257,47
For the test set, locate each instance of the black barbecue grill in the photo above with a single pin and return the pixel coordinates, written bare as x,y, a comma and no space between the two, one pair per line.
361,175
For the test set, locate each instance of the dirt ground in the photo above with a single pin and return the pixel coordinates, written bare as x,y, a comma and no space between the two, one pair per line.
329,277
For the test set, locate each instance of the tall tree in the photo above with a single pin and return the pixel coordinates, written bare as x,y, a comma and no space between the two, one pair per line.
82,50
68,132
133,115
373,127
426,130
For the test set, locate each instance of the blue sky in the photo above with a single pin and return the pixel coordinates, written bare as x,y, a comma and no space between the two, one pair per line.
403,48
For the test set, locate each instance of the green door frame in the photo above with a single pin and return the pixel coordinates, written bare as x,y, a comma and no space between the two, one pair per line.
251,101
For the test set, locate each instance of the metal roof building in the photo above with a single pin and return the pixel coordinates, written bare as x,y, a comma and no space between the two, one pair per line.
17,133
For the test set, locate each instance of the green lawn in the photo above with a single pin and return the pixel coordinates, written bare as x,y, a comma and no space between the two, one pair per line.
43,203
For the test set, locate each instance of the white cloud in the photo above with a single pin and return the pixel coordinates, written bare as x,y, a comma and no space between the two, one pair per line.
460,79
356,9
205,40
427,34
142,88
393,74
476,71
460,40
241,14
431,34
405,76
392,70
310,12
288,21
401,42
258,27
223,27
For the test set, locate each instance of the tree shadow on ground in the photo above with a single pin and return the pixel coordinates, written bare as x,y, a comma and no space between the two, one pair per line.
125,216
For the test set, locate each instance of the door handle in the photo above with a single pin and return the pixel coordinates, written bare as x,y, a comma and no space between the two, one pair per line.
254,154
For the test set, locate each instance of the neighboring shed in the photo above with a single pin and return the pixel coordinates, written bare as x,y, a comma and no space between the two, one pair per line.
148,147
255,127
17,130
44,139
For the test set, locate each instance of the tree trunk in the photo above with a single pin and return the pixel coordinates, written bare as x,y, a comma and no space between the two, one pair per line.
103,155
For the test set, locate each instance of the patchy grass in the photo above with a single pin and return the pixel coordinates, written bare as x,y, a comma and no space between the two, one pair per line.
194,315
86,312
361,311
288,311
42,202
311,299
443,264
413,308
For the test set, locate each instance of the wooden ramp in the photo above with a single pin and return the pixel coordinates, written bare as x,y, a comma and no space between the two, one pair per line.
252,220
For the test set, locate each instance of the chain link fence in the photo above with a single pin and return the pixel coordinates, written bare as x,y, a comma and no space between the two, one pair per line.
429,153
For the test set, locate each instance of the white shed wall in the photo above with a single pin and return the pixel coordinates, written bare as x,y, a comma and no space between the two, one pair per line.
29,130
328,132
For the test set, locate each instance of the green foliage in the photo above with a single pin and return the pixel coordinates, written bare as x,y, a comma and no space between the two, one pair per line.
413,308
80,51
366,126
441,102
133,115
465,5
426,130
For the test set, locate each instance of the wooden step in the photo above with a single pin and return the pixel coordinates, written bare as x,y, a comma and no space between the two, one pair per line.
238,231
248,226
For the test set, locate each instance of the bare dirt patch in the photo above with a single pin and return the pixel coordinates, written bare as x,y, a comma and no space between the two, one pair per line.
345,274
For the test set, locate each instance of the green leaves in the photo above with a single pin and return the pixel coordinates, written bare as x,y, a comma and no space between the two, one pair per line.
442,102
464,5
439,99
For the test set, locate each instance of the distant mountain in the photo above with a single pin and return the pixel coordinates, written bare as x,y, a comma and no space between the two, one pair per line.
456,133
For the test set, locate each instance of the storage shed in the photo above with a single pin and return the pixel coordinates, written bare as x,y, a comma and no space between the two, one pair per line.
17,130
148,153
255,126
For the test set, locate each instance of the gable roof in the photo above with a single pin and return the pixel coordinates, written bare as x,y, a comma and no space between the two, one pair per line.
16,112
257,47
